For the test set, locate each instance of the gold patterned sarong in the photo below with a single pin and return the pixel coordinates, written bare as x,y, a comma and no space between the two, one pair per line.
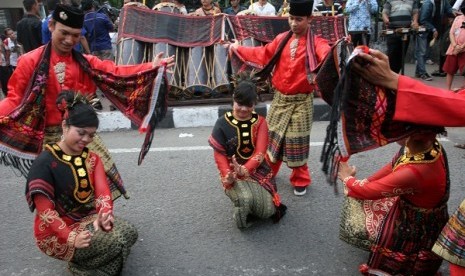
250,201
107,252
290,121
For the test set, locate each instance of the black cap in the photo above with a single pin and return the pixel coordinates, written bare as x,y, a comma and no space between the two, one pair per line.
300,7
69,16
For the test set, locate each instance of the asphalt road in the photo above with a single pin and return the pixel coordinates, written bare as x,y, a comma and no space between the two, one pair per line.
185,221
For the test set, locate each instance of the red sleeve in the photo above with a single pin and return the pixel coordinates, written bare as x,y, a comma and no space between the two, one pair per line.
50,222
17,85
402,181
322,48
101,188
119,70
260,147
260,55
222,162
422,104
387,169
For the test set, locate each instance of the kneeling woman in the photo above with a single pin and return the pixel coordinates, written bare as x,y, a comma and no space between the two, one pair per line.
419,176
68,187
239,140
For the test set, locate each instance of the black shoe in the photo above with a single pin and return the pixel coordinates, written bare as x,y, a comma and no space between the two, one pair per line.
97,106
438,73
426,77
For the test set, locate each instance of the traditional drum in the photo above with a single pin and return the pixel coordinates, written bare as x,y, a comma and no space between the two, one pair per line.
175,79
221,84
130,51
251,42
197,73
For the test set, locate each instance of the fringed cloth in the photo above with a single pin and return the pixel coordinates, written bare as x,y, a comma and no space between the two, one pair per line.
53,134
290,121
408,234
361,113
107,252
451,242
141,97
192,31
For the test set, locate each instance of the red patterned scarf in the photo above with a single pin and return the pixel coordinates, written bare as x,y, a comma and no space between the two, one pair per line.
141,97
361,115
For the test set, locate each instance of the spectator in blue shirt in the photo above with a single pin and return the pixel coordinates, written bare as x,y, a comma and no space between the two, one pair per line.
360,12
235,7
98,27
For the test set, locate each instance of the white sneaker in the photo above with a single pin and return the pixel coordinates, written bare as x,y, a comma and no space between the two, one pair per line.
429,62
300,191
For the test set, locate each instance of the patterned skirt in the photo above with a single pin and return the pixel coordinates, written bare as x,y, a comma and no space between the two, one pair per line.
290,121
361,220
107,251
251,201
451,242
404,244
53,135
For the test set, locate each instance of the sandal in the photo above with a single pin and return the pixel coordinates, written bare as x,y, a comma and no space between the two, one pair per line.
460,146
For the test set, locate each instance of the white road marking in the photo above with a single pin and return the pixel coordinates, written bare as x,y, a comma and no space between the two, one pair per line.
200,148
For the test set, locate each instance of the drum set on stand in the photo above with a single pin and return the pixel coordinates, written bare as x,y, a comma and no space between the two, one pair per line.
201,74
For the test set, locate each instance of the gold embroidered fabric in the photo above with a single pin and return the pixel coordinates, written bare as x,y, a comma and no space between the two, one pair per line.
59,69
428,156
294,44
83,190
244,129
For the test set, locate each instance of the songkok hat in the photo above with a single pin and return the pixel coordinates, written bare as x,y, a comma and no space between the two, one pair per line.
69,16
300,7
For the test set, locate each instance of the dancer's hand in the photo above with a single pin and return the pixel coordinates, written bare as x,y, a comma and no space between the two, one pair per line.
228,180
104,221
83,239
374,67
233,45
240,170
345,170
159,60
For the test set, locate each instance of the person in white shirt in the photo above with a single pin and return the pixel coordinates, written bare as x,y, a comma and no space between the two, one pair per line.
263,8
13,47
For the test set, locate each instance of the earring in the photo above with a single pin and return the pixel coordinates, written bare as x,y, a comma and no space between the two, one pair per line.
62,137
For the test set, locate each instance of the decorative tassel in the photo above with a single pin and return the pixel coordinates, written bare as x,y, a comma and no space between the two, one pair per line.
331,154
157,111
20,164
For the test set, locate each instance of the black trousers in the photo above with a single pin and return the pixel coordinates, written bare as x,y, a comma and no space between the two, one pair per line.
394,51
5,74
357,38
